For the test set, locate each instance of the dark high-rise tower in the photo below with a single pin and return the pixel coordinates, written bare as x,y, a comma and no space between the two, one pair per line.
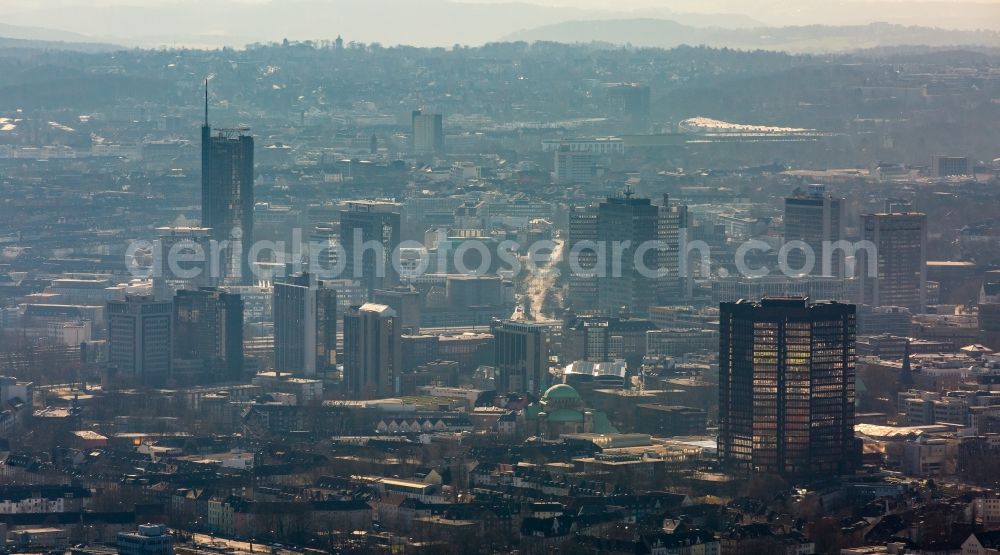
786,387
899,260
520,356
209,328
363,225
989,310
227,193
636,224
632,223
815,218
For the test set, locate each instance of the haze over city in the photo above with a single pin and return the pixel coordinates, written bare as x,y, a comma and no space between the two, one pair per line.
234,23
444,277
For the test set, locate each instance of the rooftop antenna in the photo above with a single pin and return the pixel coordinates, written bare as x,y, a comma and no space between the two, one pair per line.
206,102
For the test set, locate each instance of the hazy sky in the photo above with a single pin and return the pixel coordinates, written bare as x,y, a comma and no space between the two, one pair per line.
442,23
736,6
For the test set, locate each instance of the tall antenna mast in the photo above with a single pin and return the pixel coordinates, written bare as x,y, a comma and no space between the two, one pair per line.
206,102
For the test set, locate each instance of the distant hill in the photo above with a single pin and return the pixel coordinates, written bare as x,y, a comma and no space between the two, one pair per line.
235,23
40,33
806,39
6,42
817,25
17,36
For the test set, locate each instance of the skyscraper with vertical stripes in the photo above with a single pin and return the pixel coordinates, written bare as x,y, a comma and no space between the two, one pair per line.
227,198
786,387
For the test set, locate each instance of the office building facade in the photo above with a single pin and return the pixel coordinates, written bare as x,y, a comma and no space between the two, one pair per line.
372,352
672,231
581,243
427,132
305,326
370,235
520,356
612,287
786,387
626,225
989,311
899,261
171,271
574,167
605,339
816,219
140,341
405,301
948,166
208,326
227,197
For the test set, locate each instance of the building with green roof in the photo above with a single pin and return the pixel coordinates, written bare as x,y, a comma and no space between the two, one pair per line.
560,411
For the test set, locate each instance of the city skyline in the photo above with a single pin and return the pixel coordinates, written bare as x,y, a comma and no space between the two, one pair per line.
533,296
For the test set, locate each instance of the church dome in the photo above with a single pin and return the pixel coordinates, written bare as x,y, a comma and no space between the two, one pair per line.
561,392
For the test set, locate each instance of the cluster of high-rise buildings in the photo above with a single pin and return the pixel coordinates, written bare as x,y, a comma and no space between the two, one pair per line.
626,254
504,317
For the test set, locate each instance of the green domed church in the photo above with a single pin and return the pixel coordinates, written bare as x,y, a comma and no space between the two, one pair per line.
561,411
